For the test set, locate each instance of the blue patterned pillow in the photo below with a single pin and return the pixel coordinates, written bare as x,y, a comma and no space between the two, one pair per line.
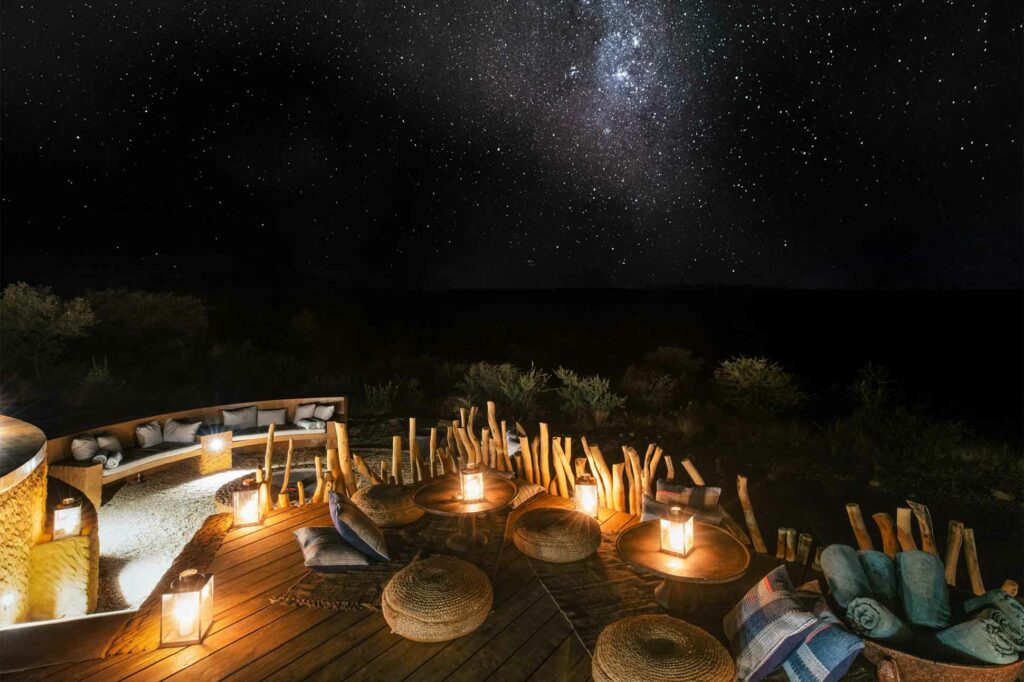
357,529
766,626
697,497
325,551
652,509
828,649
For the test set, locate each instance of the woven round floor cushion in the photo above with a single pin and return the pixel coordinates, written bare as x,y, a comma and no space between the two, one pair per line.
387,505
557,535
437,599
659,648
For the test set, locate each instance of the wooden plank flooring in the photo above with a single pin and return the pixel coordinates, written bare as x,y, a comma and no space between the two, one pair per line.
525,637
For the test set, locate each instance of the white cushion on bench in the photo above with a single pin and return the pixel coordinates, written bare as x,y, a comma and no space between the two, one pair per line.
143,458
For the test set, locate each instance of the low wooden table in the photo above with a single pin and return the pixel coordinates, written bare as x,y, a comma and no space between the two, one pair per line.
443,496
717,557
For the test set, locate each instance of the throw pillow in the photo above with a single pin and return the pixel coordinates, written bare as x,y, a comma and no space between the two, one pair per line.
324,412
84,447
923,590
268,417
828,649
109,442
180,432
697,497
149,435
845,574
326,552
652,509
356,528
240,417
766,626
304,411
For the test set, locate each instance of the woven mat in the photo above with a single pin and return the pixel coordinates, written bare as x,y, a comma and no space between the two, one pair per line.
360,587
598,590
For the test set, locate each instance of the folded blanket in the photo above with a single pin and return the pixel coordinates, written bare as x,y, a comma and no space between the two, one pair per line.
652,509
845,574
311,424
881,573
923,590
981,639
827,651
870,618
1008,612
100,457
113,460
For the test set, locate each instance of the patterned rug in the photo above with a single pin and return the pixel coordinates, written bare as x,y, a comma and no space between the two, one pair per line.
361,586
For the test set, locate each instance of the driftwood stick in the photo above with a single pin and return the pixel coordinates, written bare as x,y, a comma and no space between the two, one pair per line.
670,471
288,464
318,492
803,548
791,544
924,525
581,466
300,487
905,529
558,479
748,516
520,431
954,540
365,471
606,474
269,454
566,482
345,458
486,456
432,469
973,568
524,444
692,470
817,558
469,425
333,464
414,458
603,498
282,501
618,493
463,416
780,543
492,418
860,531
535,444
396,459
631,481
887,527
383,470
636,492
1009,587
545,456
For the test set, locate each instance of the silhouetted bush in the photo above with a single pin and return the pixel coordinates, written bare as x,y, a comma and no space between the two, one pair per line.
757,386
589,398
515,392
380,398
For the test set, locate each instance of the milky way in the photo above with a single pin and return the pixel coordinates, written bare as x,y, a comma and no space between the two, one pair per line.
528,143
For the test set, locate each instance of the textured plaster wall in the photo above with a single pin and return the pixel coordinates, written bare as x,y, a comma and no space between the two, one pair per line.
22,518
61,575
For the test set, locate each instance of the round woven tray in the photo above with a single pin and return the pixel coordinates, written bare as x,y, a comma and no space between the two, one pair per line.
659,648
557,535
437,599
387,505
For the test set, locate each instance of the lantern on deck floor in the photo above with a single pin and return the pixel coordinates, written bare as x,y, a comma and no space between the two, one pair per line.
187,609
586,495
245,503
677,532
472,478
67,518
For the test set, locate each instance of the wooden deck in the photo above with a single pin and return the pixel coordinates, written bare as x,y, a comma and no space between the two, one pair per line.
526,637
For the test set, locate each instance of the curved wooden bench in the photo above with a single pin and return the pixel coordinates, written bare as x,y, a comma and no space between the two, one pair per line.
212,451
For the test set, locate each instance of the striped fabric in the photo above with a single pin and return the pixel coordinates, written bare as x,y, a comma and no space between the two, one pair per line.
766,626
697,497
828,649
652,509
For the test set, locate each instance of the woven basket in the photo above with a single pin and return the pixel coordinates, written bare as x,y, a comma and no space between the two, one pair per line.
557,535
437,599
387,505
659,648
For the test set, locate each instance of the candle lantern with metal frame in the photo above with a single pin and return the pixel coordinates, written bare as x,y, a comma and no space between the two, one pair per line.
245,503
186,611
586,495
677,532
67,518
472,480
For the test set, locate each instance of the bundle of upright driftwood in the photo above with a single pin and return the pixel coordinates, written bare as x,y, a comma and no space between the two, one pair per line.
900,536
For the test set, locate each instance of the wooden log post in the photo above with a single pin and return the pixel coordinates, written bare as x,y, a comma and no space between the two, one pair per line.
887,527
396,459
603,497
618,493
300,488
905,529
545,456
791,544
924,525
566,483
485,448
636,491
670,470
780,543
860,531
383,471
606,474
345,459
414,459
535,445
334,469
1010,587
282,498
954,540
318,493
748,515
973,568
692,470
631,482
651,467
432,469
528,473
803,548
581,466
492,420
365,471
817,558
266,500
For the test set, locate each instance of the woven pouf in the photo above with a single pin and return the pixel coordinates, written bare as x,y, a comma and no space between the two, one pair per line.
659,648
437,599
387,505
557,535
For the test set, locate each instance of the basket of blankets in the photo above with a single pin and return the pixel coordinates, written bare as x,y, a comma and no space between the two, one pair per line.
914,626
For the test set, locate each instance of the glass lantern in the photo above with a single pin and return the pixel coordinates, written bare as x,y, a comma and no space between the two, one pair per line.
677,532
245,503
67,518
472,478
187,609
586,495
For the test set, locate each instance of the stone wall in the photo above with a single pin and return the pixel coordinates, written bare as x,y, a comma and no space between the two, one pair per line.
22,517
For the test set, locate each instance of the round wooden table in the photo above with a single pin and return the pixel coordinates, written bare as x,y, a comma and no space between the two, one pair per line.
443,496
717,557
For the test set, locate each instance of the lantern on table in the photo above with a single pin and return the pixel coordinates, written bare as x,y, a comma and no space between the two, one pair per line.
186,609
676,532
472,478
245,503
67,518
586,495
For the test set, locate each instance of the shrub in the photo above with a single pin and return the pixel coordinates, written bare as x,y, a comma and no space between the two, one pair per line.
874,387
36,324
677,362
757,386
590,398
648,388
98,386
513,390
380,398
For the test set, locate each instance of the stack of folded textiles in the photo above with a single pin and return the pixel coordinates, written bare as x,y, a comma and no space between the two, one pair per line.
906,604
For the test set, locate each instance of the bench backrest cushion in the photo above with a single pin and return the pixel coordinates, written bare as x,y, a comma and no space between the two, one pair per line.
149,434
324,412
240,418
304,411
268,417
84,447
180,432
109,442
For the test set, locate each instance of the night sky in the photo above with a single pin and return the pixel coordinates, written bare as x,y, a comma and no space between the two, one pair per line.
527,143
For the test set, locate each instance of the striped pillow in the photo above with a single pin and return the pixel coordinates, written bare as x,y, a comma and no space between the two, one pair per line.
828,650
766,626
698,497
652,509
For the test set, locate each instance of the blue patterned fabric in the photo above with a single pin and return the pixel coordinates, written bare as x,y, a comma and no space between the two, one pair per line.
356,528
697,497
923,590
845,574
766,626
652,509
828,649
